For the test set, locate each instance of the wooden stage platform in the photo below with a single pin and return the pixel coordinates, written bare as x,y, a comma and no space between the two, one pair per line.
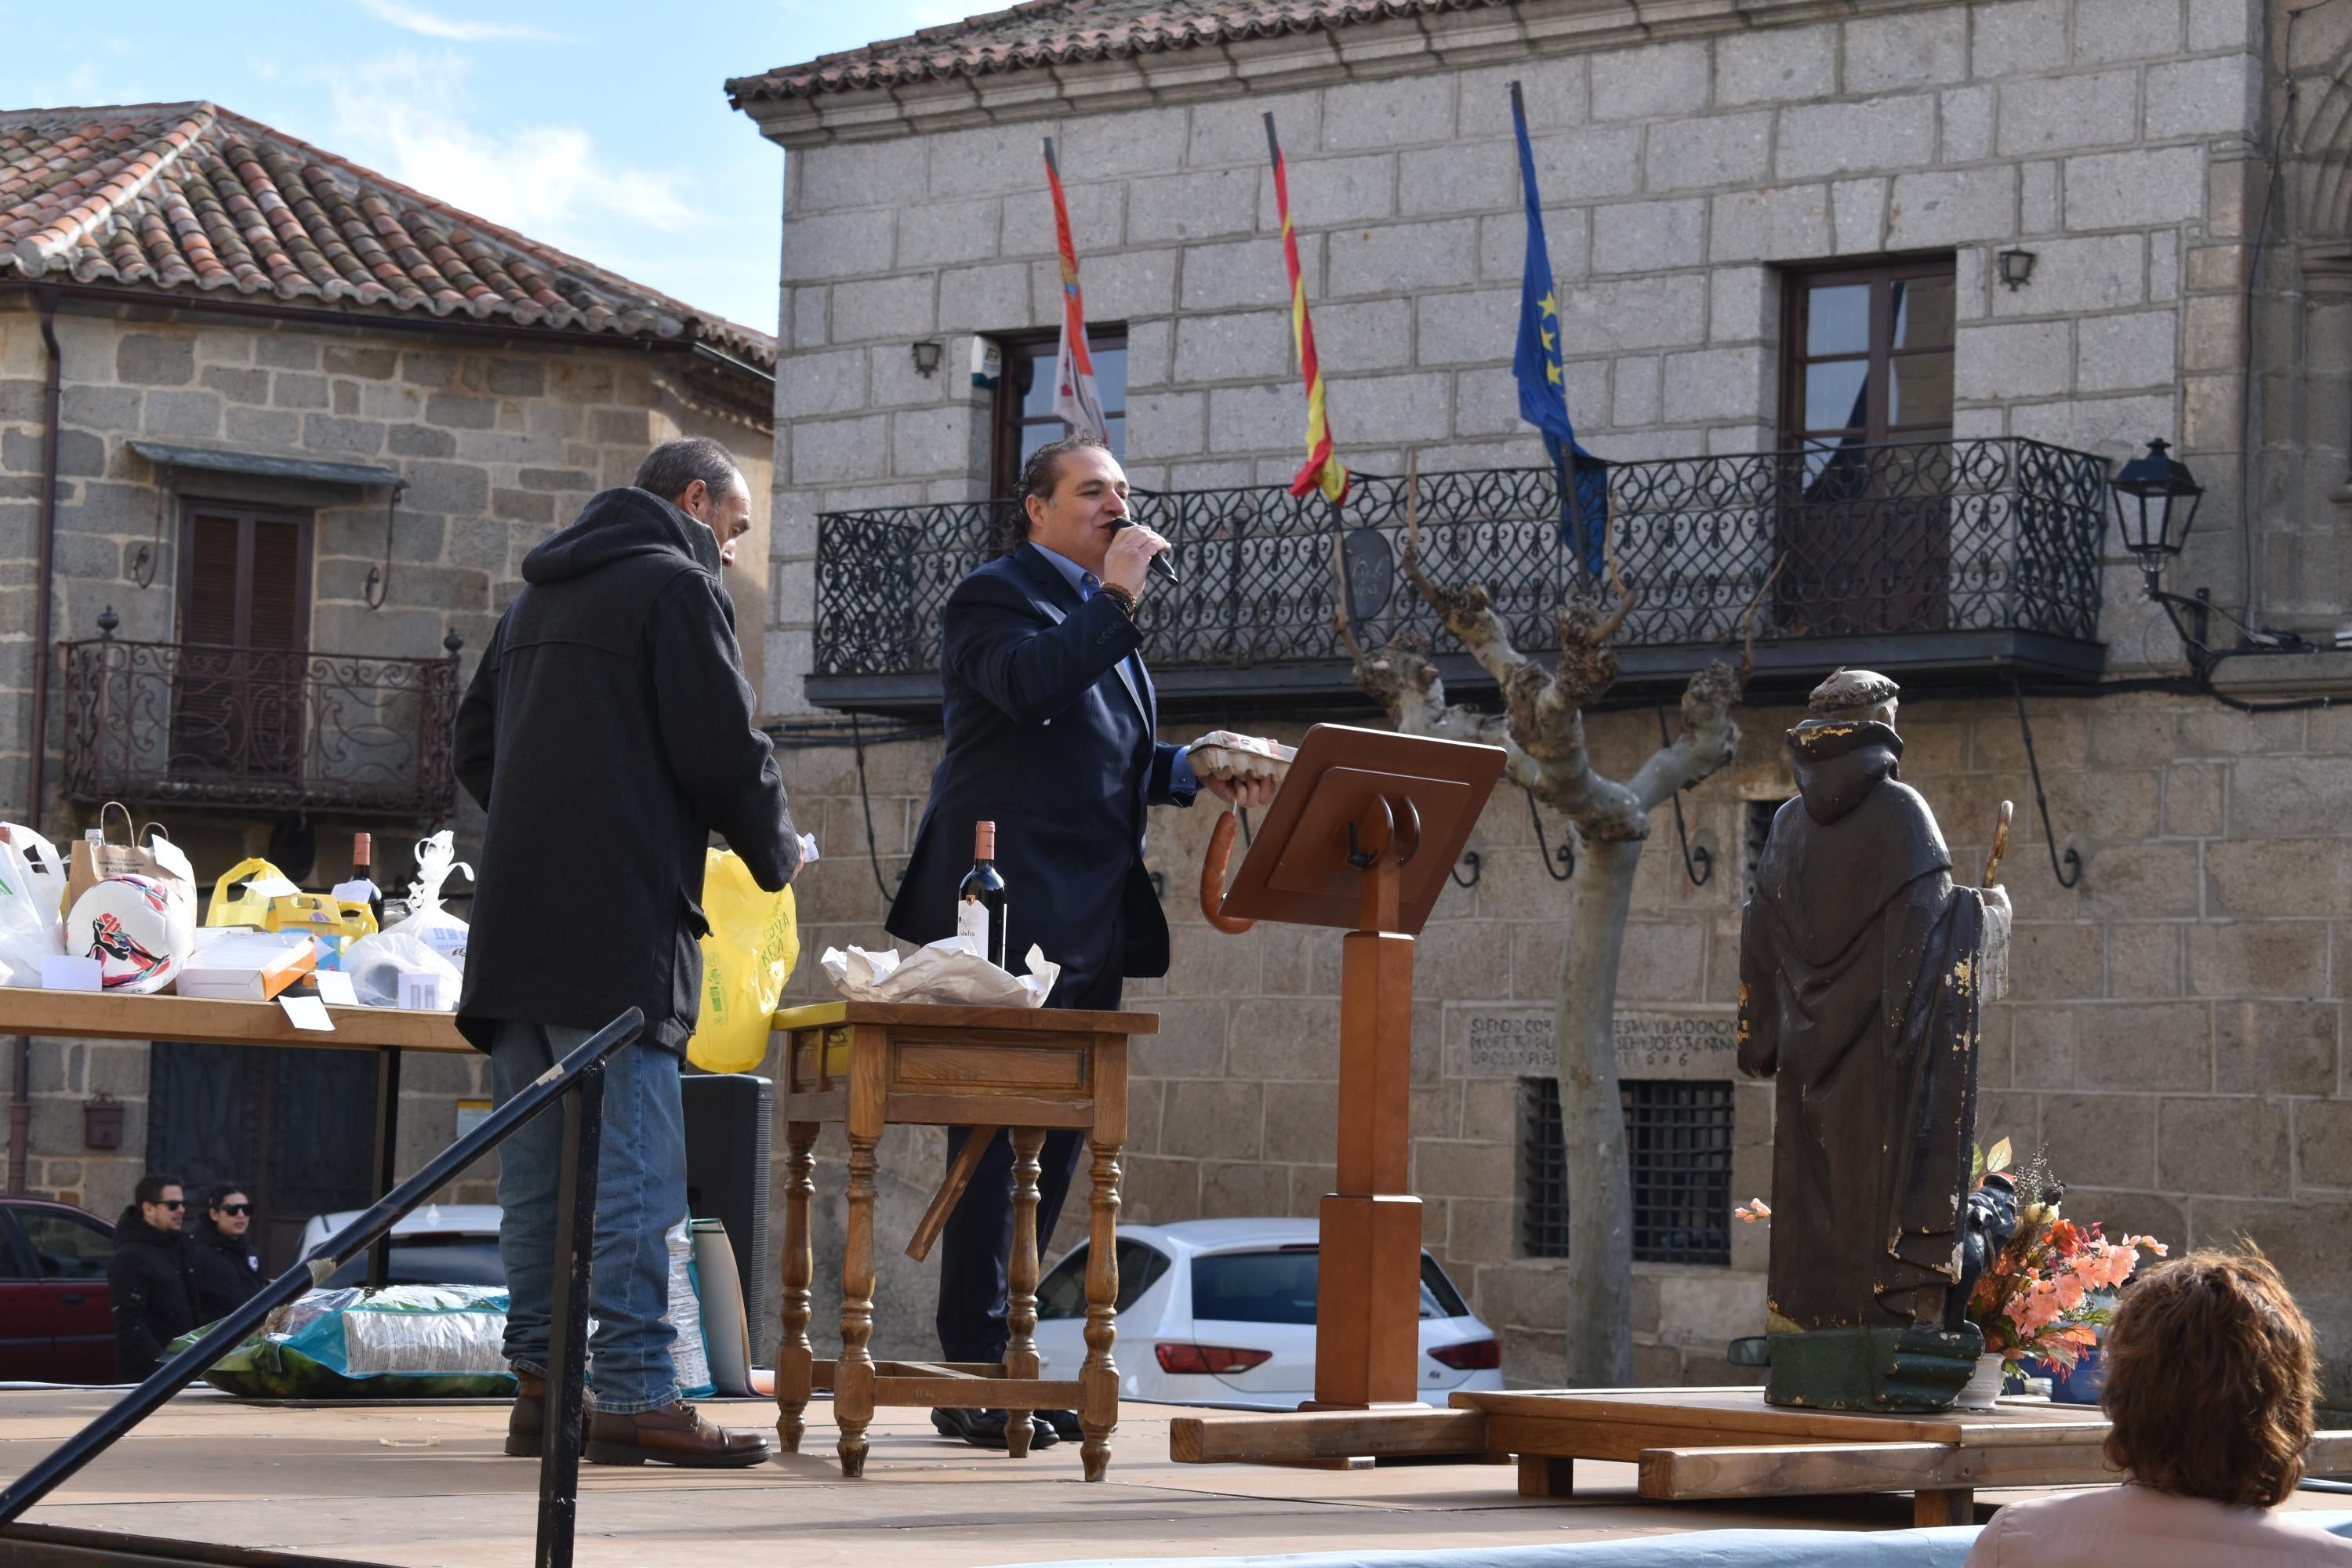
426,1485
422,1487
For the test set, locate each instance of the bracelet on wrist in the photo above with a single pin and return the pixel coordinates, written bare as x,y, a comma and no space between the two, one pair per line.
1121,597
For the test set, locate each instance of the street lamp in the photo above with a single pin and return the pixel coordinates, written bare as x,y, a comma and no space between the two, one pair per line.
2156,505
2016,267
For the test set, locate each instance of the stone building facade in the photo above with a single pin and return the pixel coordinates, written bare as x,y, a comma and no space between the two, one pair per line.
498,385
2172,169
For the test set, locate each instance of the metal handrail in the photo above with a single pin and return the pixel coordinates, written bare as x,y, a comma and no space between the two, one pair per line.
578,1080
1964,535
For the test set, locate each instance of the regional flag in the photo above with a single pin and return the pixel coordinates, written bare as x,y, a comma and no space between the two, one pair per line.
1323,470
1543,388
1075,400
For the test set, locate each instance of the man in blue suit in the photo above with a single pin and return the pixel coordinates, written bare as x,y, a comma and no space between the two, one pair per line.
1051,734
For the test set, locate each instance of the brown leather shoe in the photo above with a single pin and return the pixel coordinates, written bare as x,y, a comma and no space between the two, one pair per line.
528,1420
673,1435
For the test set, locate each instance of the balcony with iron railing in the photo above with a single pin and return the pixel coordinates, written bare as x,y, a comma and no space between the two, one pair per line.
259,729
1949,562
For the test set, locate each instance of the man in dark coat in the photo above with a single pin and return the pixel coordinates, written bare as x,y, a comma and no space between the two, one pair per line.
228,1273
607,733
1051,734
1861,977
152,1279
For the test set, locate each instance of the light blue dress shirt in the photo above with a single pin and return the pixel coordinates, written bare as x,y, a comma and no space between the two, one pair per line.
1181,780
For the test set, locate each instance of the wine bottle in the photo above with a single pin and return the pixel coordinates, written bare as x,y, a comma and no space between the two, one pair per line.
980,902
364,870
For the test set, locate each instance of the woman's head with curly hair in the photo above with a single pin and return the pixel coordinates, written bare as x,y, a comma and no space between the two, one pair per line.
2210,1380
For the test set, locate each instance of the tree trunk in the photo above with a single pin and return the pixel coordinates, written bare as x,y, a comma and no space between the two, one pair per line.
1592,1121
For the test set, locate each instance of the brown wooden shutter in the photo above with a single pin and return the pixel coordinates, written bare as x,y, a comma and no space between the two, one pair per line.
244,606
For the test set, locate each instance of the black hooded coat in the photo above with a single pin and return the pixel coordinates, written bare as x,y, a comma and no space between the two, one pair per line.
1860,991
151,1282
608,733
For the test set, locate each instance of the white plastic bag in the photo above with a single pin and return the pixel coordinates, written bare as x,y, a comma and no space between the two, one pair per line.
428,922
375,964
951,970
32,900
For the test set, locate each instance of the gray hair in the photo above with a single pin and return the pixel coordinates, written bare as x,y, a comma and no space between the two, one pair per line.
669,467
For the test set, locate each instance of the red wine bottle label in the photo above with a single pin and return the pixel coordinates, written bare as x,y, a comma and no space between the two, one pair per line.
971,920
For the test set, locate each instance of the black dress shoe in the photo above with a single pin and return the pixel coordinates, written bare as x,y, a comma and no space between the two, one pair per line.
1064,1423
985,1428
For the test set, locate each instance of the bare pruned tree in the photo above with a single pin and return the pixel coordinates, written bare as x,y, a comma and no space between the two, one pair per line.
1541,728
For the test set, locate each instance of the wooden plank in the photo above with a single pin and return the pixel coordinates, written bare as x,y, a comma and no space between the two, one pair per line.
833,1105
962,1393
97,1015
1797,1469
1953,1505
964,1107
1324,1435
1719,1416
962,1064
950,1193
1030,1021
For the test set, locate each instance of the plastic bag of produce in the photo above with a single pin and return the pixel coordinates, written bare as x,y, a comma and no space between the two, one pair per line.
32,904
376,964
405,1342
747,956
439,930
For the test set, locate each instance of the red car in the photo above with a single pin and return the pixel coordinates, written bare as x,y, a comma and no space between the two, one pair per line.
57,1322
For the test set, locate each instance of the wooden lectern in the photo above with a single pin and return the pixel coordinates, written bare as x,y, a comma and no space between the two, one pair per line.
1361,836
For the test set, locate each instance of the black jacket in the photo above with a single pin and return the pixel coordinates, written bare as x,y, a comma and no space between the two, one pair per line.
228,1273
1051,734
607,733
152,1282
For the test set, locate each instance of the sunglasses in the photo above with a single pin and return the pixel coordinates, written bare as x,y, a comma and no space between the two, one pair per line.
235,1208
171,1203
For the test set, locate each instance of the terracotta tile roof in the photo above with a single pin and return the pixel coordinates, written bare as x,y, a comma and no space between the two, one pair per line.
1062,32
187,198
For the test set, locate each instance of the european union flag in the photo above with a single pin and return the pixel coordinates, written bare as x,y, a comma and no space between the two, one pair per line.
1543,391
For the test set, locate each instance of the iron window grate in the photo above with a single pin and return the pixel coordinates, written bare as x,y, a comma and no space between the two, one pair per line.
1678,1140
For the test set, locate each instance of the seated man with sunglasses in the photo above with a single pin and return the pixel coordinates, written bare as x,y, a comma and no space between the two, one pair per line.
227,1272
153,1278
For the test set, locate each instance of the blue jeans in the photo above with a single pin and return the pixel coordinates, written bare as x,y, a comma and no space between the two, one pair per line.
640,1195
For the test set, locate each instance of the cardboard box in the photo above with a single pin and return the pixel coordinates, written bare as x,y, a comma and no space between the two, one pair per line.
247,966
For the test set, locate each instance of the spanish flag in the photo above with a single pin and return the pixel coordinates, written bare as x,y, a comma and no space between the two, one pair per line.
1075,400
1323,470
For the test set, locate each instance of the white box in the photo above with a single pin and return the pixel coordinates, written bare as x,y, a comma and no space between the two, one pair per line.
246,966
62,972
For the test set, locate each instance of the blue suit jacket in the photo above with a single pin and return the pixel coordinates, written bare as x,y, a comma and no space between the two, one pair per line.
1050,734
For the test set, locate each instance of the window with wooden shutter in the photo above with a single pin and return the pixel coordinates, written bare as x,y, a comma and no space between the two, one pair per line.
245,631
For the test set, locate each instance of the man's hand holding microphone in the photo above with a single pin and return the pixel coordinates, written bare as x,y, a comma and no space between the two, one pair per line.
1135,550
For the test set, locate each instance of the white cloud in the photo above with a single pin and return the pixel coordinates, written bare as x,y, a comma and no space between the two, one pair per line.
551,182
432,25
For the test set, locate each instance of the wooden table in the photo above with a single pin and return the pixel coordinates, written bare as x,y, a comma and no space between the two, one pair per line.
869,1066
388,1031
1694,1443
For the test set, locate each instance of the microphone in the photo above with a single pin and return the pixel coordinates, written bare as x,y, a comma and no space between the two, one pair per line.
1159,561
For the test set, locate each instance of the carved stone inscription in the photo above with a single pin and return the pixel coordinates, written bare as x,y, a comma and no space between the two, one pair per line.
1680,1043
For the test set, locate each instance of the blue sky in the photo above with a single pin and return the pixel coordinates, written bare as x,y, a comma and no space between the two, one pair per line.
597,127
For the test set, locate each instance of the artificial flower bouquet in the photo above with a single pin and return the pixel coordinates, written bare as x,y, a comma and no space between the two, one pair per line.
2052,1287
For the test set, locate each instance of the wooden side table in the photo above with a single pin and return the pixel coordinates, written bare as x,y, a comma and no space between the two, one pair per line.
870,1064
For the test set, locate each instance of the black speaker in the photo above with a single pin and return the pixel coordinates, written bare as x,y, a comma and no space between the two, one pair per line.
729,1130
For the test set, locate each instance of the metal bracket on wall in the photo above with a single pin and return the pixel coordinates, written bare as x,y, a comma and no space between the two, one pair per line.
2072,872
379,578
1565,855
1469,858
1698,864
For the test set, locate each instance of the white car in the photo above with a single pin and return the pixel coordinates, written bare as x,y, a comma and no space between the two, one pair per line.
440,1243
1222,1312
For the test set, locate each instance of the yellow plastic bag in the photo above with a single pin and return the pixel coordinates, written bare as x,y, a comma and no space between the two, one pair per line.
754,941
270,901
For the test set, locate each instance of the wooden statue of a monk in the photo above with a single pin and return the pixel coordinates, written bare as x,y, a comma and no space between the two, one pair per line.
1863,971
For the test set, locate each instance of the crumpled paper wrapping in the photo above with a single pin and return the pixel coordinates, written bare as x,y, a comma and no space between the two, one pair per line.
952,970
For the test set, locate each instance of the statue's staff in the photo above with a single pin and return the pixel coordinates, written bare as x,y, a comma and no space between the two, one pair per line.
2000,844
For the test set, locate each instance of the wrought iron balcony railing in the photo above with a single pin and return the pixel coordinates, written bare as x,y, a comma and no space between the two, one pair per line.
1944,555
259,729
